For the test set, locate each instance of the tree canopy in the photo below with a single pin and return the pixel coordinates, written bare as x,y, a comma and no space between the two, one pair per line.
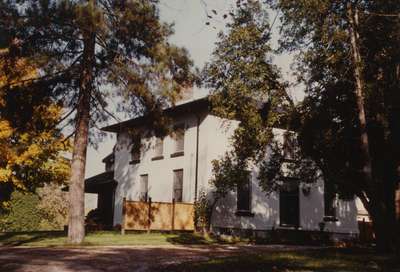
89,53
245,86
31,146
326,35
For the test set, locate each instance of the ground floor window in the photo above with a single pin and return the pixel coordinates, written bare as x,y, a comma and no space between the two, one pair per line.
178,185
289,203
144,187
244,195
329,201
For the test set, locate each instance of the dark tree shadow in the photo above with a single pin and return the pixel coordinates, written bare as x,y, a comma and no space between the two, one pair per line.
18,239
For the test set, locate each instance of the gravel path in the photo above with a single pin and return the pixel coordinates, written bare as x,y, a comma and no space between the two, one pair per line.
121,259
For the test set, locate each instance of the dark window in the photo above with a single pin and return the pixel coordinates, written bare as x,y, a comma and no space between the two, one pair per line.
289,203
144,187
244,195
135,152
179,138
178,185
110,164
329,200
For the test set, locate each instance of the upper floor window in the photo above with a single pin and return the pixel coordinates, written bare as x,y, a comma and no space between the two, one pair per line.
289,146
158,149
178,185
109,162
135,152
179,140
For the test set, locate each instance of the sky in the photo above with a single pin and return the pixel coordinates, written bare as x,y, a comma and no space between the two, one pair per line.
189,18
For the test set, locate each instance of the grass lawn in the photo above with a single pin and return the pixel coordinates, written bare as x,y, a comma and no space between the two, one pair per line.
103,238
312,260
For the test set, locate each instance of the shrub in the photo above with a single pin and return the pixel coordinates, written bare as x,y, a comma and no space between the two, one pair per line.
202,213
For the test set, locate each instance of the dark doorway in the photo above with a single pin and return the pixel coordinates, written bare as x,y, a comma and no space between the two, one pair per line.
105,204
104,186
289,204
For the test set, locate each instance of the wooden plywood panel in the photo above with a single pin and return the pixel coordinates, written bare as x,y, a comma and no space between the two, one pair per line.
161,216
136,215
184,216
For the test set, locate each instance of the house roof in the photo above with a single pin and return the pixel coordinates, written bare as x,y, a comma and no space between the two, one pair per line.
191,106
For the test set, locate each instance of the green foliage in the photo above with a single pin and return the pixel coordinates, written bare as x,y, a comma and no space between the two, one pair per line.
329,130
31,144
133,58
245,87
202,212
46,210
88,53
53,206
23,214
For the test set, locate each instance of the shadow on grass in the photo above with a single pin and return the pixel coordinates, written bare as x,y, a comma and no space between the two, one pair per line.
26,238
190,238
309,260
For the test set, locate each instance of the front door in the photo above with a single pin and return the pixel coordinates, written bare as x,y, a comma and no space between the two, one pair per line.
105,205
289,204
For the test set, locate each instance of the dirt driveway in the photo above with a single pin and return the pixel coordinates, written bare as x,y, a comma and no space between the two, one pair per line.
121,259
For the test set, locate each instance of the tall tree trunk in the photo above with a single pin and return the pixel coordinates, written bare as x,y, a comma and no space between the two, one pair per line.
76,226
374,198
359,92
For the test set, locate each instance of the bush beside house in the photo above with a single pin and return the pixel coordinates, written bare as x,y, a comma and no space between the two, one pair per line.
45,210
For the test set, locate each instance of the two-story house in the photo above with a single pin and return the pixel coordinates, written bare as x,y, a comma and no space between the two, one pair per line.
179,166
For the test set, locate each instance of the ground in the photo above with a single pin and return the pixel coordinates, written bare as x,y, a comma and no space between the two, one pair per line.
47,252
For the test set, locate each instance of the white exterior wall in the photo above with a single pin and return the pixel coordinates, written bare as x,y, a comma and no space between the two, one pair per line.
214,141
160,172
265,207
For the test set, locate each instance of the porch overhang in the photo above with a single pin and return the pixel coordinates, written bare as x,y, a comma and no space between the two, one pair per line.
100,183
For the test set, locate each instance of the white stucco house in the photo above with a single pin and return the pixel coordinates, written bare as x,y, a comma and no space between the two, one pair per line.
179,167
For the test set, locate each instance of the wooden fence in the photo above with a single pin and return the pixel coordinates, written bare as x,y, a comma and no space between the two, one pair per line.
139,215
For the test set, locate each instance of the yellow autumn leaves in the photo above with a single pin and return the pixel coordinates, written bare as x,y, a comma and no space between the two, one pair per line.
30,154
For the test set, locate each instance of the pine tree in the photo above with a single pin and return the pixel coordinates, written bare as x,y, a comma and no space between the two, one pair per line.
90,52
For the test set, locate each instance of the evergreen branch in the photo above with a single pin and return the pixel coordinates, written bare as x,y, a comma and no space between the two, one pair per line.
103,107
68,137
42,78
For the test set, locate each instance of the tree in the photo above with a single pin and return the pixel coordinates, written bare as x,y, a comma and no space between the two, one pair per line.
245,86
348,58
90,52
44,209
31,147
53,204
23,214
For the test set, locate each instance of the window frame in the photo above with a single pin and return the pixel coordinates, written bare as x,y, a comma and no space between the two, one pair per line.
143,196
158,142
248,210
174,188
290,190
330,204
289,147
136,148
177,152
